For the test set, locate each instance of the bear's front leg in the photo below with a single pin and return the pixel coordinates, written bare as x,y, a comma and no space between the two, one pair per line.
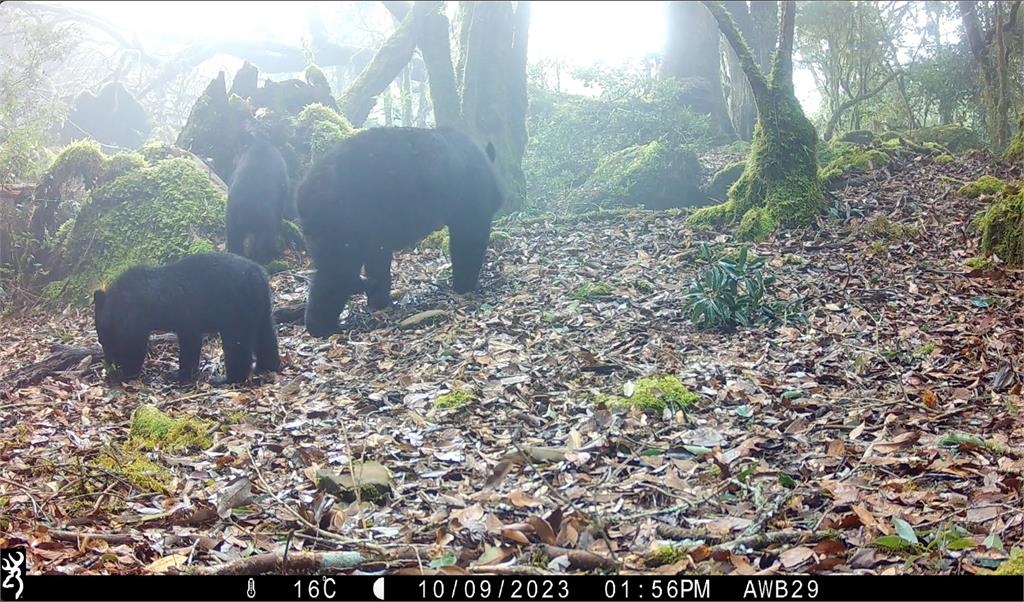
190,345
378,279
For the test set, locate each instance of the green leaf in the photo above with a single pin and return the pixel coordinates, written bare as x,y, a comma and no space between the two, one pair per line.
890,541
744,411
651,452
697,450
981,301
791,394
993,542
786,481
447,560
960,543
905,531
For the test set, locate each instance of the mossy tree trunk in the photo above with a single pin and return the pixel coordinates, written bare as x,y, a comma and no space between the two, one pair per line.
780,185
991,55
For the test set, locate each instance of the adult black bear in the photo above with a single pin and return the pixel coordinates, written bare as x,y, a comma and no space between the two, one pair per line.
257,200
384,189
202,293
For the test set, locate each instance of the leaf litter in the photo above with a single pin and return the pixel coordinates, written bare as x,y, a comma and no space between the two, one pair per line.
884,436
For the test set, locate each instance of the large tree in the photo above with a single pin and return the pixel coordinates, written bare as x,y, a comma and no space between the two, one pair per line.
779,186
692,58
991,52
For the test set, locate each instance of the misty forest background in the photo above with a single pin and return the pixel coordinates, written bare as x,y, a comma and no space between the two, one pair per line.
752,305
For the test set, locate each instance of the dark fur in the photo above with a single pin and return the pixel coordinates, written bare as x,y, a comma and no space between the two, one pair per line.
202,293
257,200
388,188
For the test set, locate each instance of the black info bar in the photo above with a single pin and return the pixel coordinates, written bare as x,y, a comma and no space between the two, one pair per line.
512,588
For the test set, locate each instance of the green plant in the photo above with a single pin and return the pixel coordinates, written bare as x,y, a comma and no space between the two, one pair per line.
591,289
733,290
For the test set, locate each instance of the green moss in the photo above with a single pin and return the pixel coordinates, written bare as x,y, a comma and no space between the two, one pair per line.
977,263
1014,565
152,429
985,185
781,176
925,349
654,175
1015,151
956,138
654,394
82,159
851,159
315,113
718,186
757,224
944,159
151,215
666,553
591,289
1002,227
453,400
135,468
437,240
154,153
644,286
884,229
121,164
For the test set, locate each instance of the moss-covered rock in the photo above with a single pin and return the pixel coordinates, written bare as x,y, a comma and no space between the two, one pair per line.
956,138
437,240
718,186
985,185
121,164
654,394
152,429
944,158
1002,227
655,175
861,137
153,215
850,160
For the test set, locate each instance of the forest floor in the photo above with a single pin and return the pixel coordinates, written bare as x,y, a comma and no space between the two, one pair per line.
885,435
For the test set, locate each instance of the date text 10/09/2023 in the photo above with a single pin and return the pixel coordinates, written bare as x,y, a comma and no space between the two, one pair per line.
618,588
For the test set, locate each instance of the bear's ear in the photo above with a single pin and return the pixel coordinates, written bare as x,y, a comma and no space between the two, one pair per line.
98,298
490,152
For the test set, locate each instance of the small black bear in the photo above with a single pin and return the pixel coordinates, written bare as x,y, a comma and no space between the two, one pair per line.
202,293
257,200
387,188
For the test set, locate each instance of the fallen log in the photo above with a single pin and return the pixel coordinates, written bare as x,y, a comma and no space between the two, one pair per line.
79,359
306,562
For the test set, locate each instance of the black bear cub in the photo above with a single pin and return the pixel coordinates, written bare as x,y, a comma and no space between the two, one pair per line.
202,293
257,200
385,189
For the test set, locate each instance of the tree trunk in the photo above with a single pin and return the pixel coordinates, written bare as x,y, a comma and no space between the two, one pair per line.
780,185
396,52
692,58
764,17
494,87
437,56
741,99
992,61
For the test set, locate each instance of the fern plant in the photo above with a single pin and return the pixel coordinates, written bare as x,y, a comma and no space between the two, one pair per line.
733,290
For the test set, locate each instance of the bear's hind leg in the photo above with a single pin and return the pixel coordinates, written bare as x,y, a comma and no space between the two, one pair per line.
468,242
